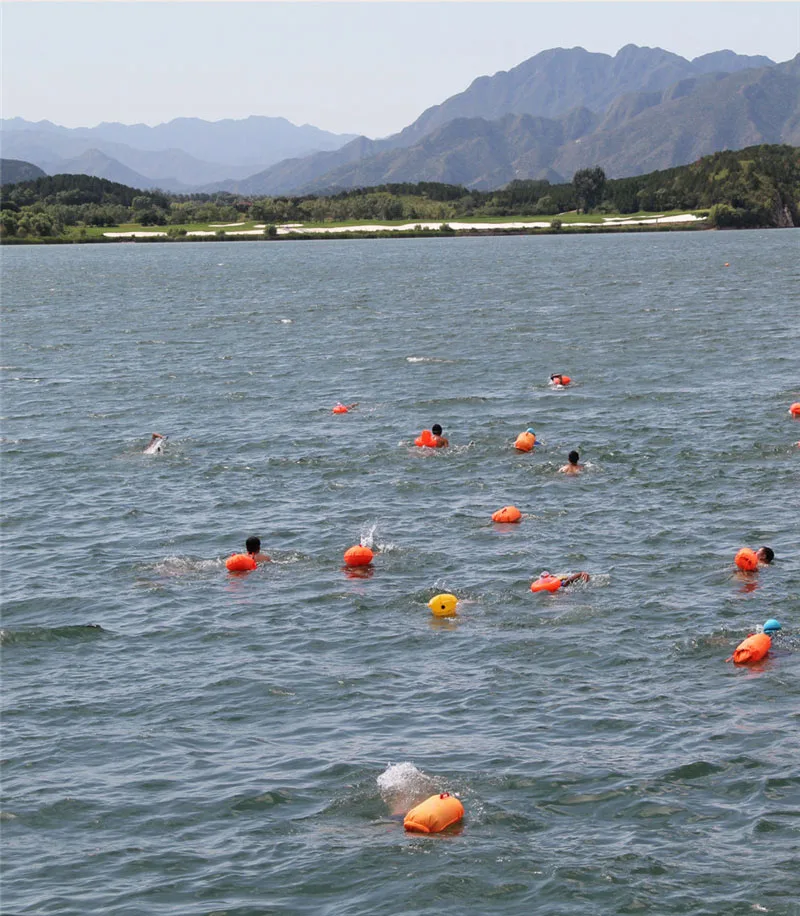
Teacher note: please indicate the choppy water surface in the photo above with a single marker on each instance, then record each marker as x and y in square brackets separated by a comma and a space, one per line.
[178, 740]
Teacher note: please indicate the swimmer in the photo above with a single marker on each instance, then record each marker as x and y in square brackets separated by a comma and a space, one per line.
[559, 380]
[765, 556]
[156, 444]
[567, 579]
[338, 407]
[253, 547]
[439, 440]
[573, 467]
[574, 577]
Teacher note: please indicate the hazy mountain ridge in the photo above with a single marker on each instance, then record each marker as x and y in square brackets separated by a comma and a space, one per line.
[181, 154]
[639, 110]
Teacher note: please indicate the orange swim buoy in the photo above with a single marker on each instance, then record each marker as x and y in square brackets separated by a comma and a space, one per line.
[358, 556]
[565, 380]
[340, 408]
[434, 814]
[546, 583]
[752, 649]
[746, 560]
[507, 514]
[794, 410]
[425, 439]
[240, 562]
[525, 441]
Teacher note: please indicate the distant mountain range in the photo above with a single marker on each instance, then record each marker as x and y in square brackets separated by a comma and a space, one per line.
[564, 109]
[177, 156]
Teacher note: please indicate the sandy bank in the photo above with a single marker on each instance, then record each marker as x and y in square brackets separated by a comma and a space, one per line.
[299, 229]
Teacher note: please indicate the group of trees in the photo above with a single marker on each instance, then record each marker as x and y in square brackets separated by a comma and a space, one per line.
[758, 186]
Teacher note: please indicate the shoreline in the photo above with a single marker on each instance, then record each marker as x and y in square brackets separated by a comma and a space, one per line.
[417, 230]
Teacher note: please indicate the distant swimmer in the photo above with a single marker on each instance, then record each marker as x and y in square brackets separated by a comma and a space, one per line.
[573, 467]
[246, 562]
[439, 440]
[749, 560]
[156, 444]
[432, 438]
[547, 582]
[344, 408]
[253, 547]
[559, 380]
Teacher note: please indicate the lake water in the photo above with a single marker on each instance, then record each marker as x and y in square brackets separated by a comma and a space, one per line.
[177, 740]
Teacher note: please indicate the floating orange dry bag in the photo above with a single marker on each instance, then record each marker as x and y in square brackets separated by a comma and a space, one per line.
[546, 583]
[525, 441]
[794, 410]
[746, 560]
[425, 438]
[752, 649]
[434, 814]
[358, 556]
[340, 408]
[507, 514]
[565, 380]
[240, 562]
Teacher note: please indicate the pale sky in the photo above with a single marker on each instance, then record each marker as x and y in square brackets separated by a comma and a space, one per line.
[349, 67]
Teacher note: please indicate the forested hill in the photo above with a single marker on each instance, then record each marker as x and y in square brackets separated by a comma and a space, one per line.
[757, 186]
[12, 171]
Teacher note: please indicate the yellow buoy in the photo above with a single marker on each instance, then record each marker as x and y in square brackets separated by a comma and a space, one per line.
[443, 605]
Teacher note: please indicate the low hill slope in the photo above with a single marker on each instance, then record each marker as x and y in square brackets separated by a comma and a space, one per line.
[13, 171]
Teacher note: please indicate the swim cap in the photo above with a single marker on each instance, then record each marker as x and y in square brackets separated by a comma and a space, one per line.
[530, 430]
[771, 625]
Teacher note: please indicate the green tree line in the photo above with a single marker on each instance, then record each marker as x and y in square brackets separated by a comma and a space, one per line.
[757, 186]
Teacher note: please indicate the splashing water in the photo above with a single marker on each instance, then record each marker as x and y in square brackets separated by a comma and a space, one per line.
[402, 786]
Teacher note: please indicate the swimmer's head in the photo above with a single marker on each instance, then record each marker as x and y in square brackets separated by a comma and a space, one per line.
[530, 430]
[253, 544]
[765, 554]
[574, 457]
[771, 626]
[436, 429]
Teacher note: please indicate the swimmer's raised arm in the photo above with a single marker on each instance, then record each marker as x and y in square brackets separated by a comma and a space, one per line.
[575, 577]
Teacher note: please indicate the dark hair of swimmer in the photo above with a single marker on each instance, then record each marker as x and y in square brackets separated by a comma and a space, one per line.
[436, 429]
[765, 554]
[574, 457]
[253, 544]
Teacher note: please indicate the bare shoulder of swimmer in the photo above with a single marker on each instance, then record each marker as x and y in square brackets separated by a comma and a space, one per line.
[262, 558]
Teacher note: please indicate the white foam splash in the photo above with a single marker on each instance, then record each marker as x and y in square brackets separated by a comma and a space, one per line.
[367, 538]
[181, 566]
[402, 786]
